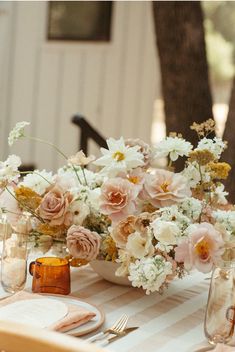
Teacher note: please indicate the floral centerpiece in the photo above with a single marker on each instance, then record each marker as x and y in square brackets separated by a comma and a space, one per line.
[156, 223]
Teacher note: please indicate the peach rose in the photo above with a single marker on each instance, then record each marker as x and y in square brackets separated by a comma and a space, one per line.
[165, 188]
[124, 228]
[117, 198]
[83, 243]
[201, 249]
[54, 207]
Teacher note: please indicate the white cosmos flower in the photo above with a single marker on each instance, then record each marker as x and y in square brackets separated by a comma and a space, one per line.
[17, 132]
[38, 181]
[172, 146]
[9, 170]
[215, 146]
[150, 273]
[119, 157]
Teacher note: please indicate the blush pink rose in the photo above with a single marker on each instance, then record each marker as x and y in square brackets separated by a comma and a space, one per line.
[201, 249]
[165, 188]
[117, 198]
[83, 243]
[54, 207]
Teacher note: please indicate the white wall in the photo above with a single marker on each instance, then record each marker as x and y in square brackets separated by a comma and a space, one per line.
[112, 84]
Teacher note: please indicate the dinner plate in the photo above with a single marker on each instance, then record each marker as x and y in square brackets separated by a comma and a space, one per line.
[88, 327]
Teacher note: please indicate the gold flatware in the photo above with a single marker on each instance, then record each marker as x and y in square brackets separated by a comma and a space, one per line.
[125, 332]
[115, 329]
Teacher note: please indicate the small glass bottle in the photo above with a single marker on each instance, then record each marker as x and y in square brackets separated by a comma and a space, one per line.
[14, 256]
[220, 312]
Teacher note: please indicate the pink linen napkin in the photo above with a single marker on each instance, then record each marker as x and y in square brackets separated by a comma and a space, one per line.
[223, 348]
[76, 315]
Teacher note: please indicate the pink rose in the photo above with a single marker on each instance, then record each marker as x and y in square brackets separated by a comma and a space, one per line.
[83, 243]
[165, 188]
[118, 198]
[201, 249]
[54, 207]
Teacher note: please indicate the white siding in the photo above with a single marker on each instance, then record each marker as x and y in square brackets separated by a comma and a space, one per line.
[114, 85]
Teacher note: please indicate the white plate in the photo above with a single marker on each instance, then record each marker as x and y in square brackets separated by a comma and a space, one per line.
[84, 329]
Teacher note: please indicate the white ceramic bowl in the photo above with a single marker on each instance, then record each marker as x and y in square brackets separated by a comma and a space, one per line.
[107, 270]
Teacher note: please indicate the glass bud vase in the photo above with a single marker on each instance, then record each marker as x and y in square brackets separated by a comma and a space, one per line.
[14, 256]
[220, 311]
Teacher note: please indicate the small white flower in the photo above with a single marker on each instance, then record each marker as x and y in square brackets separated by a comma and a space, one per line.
[220, 195]
[38, 181]
[166, 232]
[139, 245]
[150, 273]
[191, 207]
[226, 218]
[80, 159]
[172, 146]
[17, 132]
[215, 146]
[9, 170]
[119, 157]
[193, 176]
[80, 211]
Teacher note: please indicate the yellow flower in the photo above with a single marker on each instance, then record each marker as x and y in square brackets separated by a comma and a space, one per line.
[110, 249]
[54, 231]
[205, 128]
[219, 170]
[202, 157]
[27, 197]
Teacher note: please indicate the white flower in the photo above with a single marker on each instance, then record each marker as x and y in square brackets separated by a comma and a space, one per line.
[215, 146]
[124, 258]
[9, 170]
[119, 157]
[139, 245]
[172, 146]
[80, 211]
[191, 207]
[166, 232]
[38, 181]
[173, 214]
[67, 178]
[226, 218]
[220, 195]
[193, 176]
[150, 273]
[17, 132]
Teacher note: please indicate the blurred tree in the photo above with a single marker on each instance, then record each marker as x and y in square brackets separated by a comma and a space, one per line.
[184, 71]
[229, 154]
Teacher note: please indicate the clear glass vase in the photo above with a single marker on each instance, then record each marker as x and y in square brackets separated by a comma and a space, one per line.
[14, 256]
[220, 311]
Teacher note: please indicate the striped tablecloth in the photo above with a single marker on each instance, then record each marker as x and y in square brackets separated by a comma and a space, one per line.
[171, 322]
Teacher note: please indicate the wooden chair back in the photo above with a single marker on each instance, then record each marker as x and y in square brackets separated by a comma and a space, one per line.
[22, 338]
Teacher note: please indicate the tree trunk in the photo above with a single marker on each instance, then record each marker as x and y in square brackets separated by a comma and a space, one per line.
[229, 154]
[181, 47]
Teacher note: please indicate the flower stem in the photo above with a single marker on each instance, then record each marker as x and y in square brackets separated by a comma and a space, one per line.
[84, 175]
[58, 150]
[36, 173]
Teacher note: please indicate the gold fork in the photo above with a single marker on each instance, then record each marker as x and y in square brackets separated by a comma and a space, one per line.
[115, 329]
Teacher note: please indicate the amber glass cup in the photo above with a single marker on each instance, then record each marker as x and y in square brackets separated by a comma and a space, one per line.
[50, 275]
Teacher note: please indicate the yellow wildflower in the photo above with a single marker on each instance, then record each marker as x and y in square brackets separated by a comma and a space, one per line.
[203, 129]
[219, 170]
[110, 248]
[54, 231]
[202, 157]
[27, 197]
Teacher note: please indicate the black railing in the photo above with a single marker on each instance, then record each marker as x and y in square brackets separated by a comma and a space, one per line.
[87, 132]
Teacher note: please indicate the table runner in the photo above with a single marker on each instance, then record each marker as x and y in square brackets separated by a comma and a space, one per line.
[169, 322]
